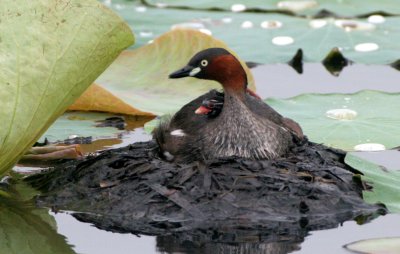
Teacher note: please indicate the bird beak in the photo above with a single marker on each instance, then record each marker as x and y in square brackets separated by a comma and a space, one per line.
[187, 71]
[202, 110]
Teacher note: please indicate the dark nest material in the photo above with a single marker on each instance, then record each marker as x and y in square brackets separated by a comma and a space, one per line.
[229, 200]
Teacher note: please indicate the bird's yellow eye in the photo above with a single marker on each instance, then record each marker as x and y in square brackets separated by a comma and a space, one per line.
[204, 63]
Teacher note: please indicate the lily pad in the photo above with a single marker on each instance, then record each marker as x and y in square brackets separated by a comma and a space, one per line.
[309, 7]
[96, 98]
[258, 37]
[353, 7]
[140, 77]
[363, 117]
[385, 181]
[376, 246]
[79, 124]
[51, 51]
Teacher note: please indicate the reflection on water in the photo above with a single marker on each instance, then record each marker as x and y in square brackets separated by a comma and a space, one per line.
[28, 230]
[280, 240]
[278, 235]
[90, 240]
[170, 244]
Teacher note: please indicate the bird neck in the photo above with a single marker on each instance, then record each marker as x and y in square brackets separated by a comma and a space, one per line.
[235, 87]
[230, 74]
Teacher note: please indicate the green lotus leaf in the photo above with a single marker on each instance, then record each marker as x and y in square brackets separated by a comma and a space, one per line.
[363, 117]
[385, 181]
[50, 52]
[309, 7]
[140, 77]
[79, 124]
[244, 32]
[390, 245]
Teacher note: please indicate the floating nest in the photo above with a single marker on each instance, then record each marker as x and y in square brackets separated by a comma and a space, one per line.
[132, 189]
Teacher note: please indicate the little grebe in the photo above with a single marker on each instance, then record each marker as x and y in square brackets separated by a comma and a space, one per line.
[233, 123]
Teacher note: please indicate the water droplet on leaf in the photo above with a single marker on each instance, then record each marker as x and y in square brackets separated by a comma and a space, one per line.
[297, 5]
[205, 31]
[119, 7]
[247, 24]
[366, 47]
[318, 23]
[238, 7]
[192, 25]
[282, 40]
[227, 20]
[369, 147]
[161, 5]
[141, 9]
[271, 24]
[145, 34]
[376, 19]
[350, 25]
[341, 114]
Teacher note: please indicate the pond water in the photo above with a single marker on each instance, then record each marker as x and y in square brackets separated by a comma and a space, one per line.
[282, 81]
[89, 240]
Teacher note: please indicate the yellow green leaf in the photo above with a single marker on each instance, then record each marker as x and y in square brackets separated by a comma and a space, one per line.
[50, 52]
[96, 98]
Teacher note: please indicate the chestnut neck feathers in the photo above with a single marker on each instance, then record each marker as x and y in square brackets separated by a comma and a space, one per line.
[228, 71]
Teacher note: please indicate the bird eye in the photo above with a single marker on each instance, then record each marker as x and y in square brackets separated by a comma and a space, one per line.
[204, 63]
